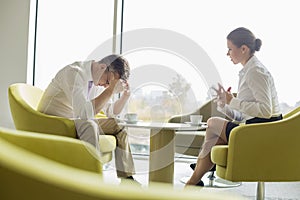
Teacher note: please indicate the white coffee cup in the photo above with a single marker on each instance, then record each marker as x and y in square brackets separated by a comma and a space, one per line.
[196, 119]
[131, 117]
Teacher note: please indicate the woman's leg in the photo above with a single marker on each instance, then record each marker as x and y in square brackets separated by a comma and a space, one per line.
[215, 135]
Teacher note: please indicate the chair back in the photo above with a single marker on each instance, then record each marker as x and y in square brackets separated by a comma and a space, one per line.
[24, 100]
[292, 112]
[274, 157]
[207, 110]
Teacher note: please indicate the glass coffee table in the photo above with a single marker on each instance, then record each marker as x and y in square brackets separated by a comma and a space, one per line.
[162, 149]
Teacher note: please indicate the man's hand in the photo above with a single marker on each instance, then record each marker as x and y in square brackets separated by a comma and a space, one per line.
[126, 88]
[113, 79]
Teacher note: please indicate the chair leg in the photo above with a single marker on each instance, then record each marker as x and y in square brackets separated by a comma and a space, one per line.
[106, 166]
[211, 179]
[260, 194]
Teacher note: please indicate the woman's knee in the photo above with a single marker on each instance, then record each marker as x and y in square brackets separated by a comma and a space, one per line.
[213, 121]
[215, 125]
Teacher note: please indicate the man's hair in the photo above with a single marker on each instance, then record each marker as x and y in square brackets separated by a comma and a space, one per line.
[117, 63]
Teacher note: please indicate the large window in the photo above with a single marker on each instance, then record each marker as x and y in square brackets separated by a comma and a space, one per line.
[207, 23]
[69, 31]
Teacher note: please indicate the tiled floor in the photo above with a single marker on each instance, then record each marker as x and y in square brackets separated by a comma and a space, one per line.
[273, 191]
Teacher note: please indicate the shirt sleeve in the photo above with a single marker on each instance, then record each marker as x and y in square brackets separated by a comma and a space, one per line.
[258, 82]
[108, 107]
[231, 113]
[77, 91]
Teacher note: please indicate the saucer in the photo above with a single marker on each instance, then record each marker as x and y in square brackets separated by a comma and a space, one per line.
[131, 122]
[200, 124]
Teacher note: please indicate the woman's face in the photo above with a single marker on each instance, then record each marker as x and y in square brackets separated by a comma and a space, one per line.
[235, 53]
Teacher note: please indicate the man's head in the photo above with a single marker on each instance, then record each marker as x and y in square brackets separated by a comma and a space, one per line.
[118, 64]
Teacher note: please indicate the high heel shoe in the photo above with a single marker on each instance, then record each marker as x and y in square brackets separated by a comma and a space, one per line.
[200, 183]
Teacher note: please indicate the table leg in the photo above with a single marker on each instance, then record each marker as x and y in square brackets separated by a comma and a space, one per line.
[162, 151]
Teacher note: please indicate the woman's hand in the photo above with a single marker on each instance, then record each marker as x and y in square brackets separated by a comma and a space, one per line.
[223, 96]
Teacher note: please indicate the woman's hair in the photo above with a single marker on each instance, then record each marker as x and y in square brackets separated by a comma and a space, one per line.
[117, 63]
[243, 36]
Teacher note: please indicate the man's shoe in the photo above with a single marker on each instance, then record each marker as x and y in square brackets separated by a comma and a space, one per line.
[131, 179]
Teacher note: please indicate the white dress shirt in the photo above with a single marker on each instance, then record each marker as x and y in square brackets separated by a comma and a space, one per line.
[68, 94]
[256, 96]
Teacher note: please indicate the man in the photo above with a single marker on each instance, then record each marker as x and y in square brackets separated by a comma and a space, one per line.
[83, 89]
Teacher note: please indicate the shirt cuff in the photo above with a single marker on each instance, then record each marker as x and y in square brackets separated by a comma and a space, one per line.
[234, 104]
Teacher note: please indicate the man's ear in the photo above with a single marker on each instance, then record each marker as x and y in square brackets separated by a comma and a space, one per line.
[117, 75]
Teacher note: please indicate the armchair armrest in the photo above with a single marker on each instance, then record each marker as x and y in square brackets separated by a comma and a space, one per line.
[47, 124]
[69, 151]
[219, 155]
[107, 143]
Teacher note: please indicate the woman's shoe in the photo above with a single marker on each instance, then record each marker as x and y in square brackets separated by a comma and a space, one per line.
[193, 165]
[200, 183]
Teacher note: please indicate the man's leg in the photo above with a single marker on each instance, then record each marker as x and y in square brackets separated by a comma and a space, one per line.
[88, 130]
[124, 160]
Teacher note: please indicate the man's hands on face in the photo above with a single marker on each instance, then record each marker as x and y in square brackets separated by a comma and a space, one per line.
[113, 79]
[118, 85]
[126, 88]
[122, 86]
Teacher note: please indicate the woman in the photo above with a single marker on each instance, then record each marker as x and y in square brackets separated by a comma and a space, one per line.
[256, 100]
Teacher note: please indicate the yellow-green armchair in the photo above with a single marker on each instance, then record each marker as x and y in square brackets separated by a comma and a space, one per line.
[24, 99]
[31, 172]
[265, 152]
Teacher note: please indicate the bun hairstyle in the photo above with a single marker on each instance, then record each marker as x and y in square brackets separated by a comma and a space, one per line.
[243, 36]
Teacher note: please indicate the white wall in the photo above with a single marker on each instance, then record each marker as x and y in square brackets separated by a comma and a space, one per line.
[14, 26]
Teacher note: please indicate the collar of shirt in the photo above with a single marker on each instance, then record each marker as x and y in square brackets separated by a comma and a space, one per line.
[87, 65]
[248, 65]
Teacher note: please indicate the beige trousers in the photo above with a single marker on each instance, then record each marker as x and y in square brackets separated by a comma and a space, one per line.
[89, 130]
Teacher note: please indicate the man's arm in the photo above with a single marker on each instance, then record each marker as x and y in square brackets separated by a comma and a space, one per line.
[100, 101]
[120, 103]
